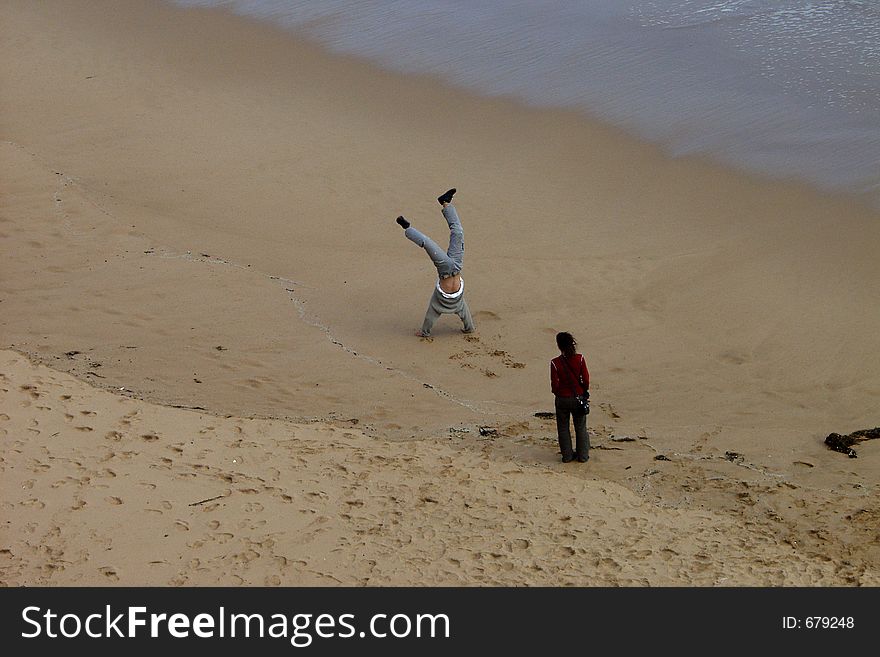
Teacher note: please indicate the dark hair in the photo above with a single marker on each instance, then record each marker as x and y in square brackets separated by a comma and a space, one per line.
[567, 344]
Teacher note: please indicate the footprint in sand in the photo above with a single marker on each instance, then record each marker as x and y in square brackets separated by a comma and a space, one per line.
[610, 564]
[506, 359]
[608, 408]
[32, 390]
[734, 357]
[705, 437]
[520, 544]
[485, 350]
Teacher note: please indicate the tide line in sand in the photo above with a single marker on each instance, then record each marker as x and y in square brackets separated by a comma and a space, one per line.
[483, 407]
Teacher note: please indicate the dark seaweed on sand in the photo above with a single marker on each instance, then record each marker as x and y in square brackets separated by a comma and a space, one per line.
[844, 444]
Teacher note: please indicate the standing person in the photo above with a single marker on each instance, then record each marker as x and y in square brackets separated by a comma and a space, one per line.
[448, 295]
[570, 379]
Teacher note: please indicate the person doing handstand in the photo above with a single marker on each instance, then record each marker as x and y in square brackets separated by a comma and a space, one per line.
[448, 295]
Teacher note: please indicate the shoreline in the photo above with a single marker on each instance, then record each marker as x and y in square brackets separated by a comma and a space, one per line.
[450, 76]
[192, 218]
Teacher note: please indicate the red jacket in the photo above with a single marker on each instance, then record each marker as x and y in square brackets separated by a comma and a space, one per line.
[569, 377]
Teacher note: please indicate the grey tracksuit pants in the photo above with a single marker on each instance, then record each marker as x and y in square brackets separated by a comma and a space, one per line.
[448, 263]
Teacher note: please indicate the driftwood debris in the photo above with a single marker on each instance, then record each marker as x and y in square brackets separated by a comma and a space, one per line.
[843, 444]
[210, 499]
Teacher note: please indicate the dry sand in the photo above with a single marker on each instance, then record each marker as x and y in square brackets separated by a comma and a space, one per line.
[198, 211]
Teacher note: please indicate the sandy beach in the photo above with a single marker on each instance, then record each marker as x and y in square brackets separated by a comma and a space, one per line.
[208, 374]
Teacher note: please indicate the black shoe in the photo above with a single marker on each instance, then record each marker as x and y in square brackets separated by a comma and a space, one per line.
[403, 222]
[567, 459]
[583, 459]
[446, 197]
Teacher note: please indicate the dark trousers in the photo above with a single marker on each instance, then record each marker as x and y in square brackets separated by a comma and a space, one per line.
[567, 409]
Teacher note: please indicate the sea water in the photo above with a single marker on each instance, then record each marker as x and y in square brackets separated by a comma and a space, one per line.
[783, 88]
